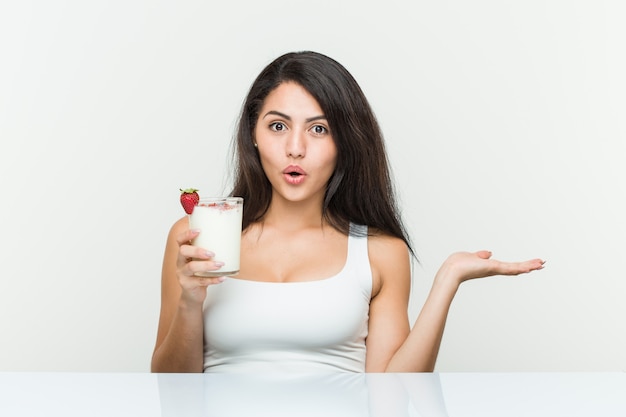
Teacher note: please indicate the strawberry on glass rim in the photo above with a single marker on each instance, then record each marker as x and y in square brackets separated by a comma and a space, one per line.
[189, 199]
[294, 174]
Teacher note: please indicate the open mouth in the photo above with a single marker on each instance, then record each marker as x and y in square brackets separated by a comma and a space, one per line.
[294, 171]
[294, 174]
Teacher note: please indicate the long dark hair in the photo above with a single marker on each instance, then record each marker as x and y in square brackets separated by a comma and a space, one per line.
[360, 190]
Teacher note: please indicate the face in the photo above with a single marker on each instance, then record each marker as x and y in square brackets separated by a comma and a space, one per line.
[295, 144]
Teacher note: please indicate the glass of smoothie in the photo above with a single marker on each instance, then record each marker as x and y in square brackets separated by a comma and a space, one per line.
[219, 221]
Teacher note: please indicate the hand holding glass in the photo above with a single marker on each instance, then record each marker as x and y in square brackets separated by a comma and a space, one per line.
[219, 221]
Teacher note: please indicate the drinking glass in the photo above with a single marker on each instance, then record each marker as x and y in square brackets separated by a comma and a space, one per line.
[219, 221]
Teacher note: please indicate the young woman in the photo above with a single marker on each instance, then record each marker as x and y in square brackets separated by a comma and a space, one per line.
[325, 259]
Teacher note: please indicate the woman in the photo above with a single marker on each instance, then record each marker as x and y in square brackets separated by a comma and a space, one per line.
[325, 259]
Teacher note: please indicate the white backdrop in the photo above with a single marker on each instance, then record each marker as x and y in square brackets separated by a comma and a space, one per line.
[505, 128]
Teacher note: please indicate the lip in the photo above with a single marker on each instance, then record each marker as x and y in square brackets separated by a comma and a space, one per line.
[294, 174]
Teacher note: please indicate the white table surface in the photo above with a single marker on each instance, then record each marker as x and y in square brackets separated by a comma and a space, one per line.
[385, 395]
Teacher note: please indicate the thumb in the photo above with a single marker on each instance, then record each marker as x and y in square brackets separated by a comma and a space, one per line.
[484, 254]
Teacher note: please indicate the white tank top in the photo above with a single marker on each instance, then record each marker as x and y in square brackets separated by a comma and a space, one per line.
[312, 326]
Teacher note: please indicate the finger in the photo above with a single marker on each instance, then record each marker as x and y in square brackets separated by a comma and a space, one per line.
[517, 268]
[187, 236]
[206, 281]
[187, 254]
[536, 264]
[531, 265]
[190, 251]
[195, 266]
[193, 284]
[484, 254]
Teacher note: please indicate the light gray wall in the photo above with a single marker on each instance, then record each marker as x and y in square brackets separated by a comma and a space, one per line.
[505, 128]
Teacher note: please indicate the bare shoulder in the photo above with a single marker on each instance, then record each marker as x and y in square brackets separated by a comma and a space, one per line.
[390, 261]
[384, 249]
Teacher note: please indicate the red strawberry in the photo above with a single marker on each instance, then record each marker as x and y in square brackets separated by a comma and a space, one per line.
[189, 198]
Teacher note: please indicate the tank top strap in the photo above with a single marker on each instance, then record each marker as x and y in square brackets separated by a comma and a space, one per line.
[358, 258]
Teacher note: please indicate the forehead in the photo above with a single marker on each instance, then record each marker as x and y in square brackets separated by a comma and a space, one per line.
[291, 96]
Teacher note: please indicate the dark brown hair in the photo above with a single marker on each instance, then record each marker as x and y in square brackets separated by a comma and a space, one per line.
[360, 190]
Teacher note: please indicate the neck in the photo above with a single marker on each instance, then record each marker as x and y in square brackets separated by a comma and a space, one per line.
[294, 215]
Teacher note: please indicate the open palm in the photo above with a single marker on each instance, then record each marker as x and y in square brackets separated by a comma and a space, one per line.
[471, 265]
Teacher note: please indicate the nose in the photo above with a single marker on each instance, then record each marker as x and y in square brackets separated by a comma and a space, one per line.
[296, 144]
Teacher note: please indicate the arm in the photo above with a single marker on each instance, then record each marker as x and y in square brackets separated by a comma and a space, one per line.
[179, 344]
[391, 345]
[419, 352]
[388, 315]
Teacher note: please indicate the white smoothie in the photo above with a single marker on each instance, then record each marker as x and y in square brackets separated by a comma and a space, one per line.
[219, 222]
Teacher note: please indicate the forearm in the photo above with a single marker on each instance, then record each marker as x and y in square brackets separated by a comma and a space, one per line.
[419, 352]
[182, 347]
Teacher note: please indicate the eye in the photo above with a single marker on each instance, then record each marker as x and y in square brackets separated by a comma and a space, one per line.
[319, 130]
[277, 126]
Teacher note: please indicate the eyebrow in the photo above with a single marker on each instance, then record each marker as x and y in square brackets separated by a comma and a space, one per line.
[284, 116]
